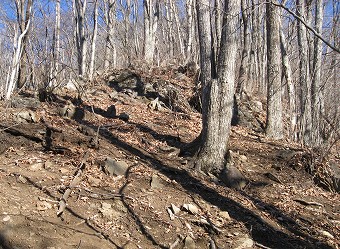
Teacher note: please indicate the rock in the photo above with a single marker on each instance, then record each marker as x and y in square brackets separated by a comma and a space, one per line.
[48, 165]
[63, 170]
[113, 94]
[24, 102]
[108, 212]
[233, 178]
[87, 131]
[26, 116]
[175, 209]
[36, 166]
[327, 234]
[114, 168]
[189, 243]
[155, 105]
[71, 85]
[190, 208]
[156, 182]
[124, 116]
[244, 242]
[94, 182]
[111, 112]
[119, 206]
[22, 179]
[171, 214]
[243, 158]
[225, 215]
[6, 218]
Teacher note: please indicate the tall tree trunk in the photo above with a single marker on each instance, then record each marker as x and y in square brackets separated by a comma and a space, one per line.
[243, 72]
[24, 23]
[151, 16]
[190, 28]
[317, 96]
[56, 45]
[24, 16]
[217, 96]
[287, 72]
[94, 39]
[81, 40]
[110, 47]
[305, 121]
[274, 123]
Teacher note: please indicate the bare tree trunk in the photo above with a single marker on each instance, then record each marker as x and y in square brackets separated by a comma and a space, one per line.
[94, 38]
[274, 124]
[243, 72]
[217, 96]
[24, 14]
[81, 40]
[177, 22]
[56, 45]
[190, 28]
[110, 47]
[305, 121]
[151, 16]
[287, 72]
[24, 23]
[169, 31]
[317, 96]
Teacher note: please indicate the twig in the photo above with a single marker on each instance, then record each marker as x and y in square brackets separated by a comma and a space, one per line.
[75, 181]
[262, 246]
[306, 203]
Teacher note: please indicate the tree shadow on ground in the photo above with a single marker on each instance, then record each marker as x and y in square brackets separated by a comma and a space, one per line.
[262, 232]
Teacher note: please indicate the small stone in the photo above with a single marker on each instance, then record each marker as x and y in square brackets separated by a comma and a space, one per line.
[225, 215]
[156, 182]
[244, 242]
[6, 218]
[175, 209]
[22, 179]
[189, 243]
[190, 208]
[93, 181]
[115, 168]
[36, 166]
[243, 158]
[233, 178]
[63, 170]
[48, 165]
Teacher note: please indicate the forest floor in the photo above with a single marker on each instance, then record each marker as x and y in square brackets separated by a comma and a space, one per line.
[159, 201]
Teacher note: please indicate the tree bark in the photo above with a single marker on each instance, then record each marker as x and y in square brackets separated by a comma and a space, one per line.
[94, 39]
[317, 96]
[217, 96]
[81, 40]
[243, 72]
[151, 16]
[305, 121]
[274, 122]
[287, 72]
[110, 47]
[24, 13]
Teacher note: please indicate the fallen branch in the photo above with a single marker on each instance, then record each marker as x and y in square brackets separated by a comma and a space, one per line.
[75, 181]
[307, 203]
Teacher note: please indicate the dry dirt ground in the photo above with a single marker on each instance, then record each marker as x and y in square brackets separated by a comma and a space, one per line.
[281, 207]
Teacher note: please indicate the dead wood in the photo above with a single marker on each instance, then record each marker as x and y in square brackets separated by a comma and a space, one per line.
[73, 184]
